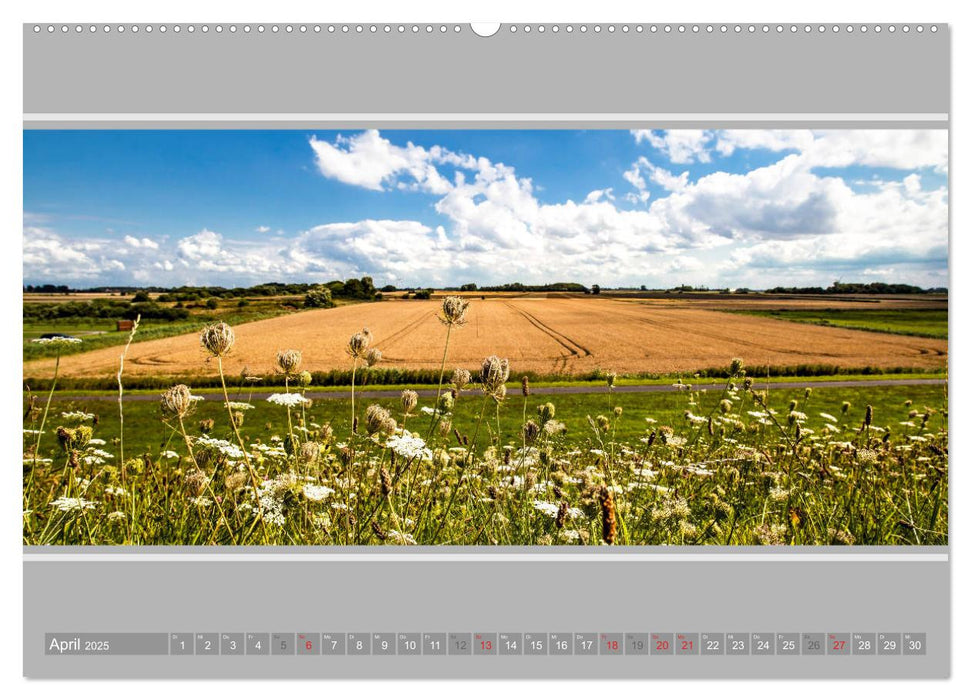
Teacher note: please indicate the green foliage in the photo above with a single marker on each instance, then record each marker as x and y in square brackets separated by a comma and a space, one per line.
[320, 297]
[686, 467]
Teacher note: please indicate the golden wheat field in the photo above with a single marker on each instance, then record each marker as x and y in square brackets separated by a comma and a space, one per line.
[537, 334]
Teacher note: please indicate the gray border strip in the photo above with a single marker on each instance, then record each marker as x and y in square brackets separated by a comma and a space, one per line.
[745, 72]
[543, 119]
[503, 553]
[482, 557]
[386, 122]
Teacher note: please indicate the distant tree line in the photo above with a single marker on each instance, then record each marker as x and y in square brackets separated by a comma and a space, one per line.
[859, 288]
[103, 308]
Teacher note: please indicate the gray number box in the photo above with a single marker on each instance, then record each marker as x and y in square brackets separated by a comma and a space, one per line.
[561, 644]
[181, 644]
[459, 643]
[915, 644]
[888, 643]
[308, 643]
[738, 644]
[383, 644]
[662, 643]
[686, 644]
[207, 644]
[333, 643]
[813, 643]
[510, 643]
[536, 643]
[585, 643]
[838, 644]
[281, 644]
[433, 644]
[763, 644]
[409, 644]
[611, 644]
[485, 644]
[637, 644]
[787, 644]
[864, 643]
[712, 644]
[359, 643]
[257, 644]
[231, 644]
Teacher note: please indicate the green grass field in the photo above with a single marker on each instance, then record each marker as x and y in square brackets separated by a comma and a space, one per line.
[146, 434]
[925, 323]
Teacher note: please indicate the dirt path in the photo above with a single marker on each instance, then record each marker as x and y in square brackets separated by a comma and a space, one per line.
[553, 390]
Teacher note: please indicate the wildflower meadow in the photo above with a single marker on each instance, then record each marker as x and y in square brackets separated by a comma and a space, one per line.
[482, 460]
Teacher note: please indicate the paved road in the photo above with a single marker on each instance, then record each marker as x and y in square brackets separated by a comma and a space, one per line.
[552, 390]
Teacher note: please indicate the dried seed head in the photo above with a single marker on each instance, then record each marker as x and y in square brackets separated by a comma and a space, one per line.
[206, 425]
[409, 400]
[868, 416]
[453, 311]
[608, 515]
[385, 482]
[461, 378]
[611, 379]
[289, 361]
[177, 401]
[309, 452]
[237, 480]
[525, 384]
[736, 367]
[494, 373]
[499, 394]
[561, 513]
[195, 482]
[845, 407]
[546, 411]
[530, 432]
[372, 357]
[217, 339]
[358, 344]
[305, 378]
[445, 403]
[378, 419]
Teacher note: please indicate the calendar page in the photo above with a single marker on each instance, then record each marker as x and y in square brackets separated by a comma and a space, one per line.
[521, 350]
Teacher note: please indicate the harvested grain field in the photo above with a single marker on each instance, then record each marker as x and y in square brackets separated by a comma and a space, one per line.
[568, 335]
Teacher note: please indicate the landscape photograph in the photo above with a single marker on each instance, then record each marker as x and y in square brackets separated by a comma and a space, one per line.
[573, 338]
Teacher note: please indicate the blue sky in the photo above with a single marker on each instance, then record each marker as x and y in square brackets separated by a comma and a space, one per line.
[749, 208]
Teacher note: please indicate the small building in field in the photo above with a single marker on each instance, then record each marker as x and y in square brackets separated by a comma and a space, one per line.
[124, 325]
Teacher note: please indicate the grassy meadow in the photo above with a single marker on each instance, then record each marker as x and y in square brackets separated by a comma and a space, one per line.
[486, 461]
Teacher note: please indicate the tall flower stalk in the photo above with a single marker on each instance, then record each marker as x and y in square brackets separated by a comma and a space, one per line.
[453, 315]
[357, 348]
[59, 343]
[121, 395]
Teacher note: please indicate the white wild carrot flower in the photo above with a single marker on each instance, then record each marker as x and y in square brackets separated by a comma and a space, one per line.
[408, 445]
[289, 400]
[57, 341]
[79, 416]
[67, 504]
[316, 493]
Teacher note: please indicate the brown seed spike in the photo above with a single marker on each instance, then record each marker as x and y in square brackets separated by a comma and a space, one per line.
[608, 515]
